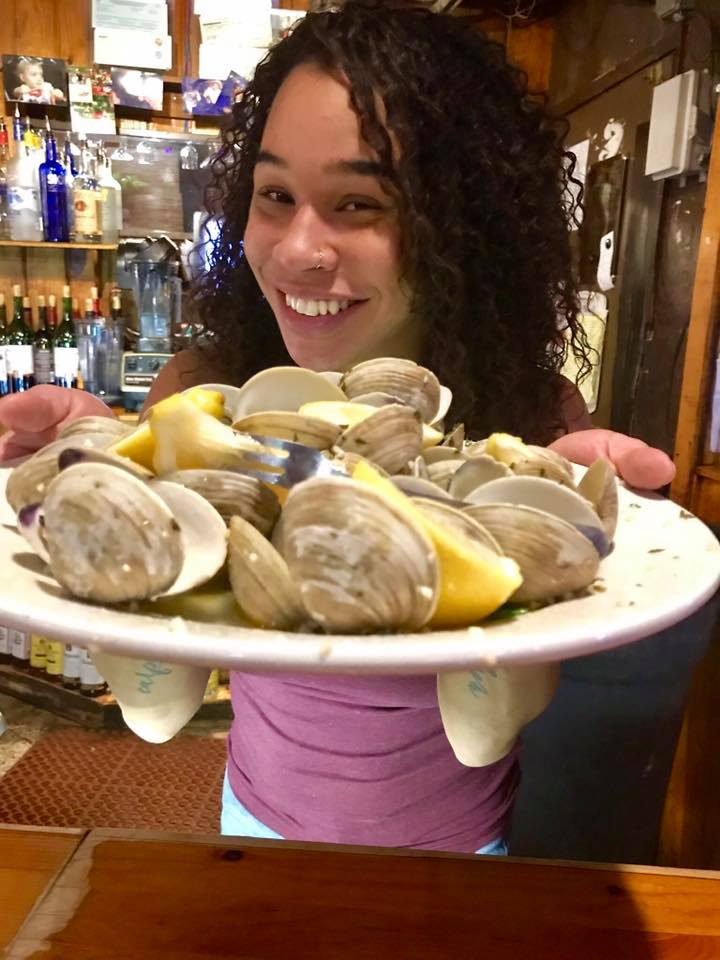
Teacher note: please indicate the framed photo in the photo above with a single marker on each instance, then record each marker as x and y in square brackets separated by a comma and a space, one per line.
[138, 89]
[203, 97]
[91, 102]
[34, 79]
[282, 21]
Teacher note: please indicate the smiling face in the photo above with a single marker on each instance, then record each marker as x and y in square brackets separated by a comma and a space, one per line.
[323, 233]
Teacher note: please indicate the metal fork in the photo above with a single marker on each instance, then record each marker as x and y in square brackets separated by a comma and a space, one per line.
[284, 463]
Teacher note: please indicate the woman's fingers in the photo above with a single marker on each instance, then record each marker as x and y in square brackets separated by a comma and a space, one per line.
[640, 466]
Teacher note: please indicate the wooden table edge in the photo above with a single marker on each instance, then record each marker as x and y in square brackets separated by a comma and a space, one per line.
[102, 834]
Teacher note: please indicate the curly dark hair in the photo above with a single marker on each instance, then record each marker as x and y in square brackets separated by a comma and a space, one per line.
[482, 179]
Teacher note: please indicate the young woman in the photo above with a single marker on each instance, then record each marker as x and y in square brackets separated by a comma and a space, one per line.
[386, 188]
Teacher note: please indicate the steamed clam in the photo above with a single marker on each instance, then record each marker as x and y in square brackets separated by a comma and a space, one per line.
[423, 531]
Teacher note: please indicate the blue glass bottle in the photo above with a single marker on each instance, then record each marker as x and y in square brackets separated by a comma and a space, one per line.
[53, 194]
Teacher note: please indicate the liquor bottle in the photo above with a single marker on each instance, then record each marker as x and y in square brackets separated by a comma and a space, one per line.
[24, 197]
[65, 350]
[3, 344]
[111, 200]
[19, 648]
[91, 682]
[95, 300]
[4, 161]
[70, 174]
[17, 125]
[20, 339]
[38, 654]
[43, 346]
[71, 667]
[54, 659]
[53, 194]
[86, 197]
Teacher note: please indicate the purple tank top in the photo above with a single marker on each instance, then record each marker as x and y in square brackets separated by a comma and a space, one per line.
[360, 760]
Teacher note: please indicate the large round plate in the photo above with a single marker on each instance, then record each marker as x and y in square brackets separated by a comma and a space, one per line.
[665, 565]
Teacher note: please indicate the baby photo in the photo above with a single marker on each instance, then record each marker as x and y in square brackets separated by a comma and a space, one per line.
[34, 79]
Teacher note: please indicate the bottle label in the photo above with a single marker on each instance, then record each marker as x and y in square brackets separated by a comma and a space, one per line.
[71, 662]
[19, 644]
[4, 641]
[86, 211]
[54, 657]
[22, 198]
[38, 652]
[89, 676]
[65, 362]
[3, 371]
[42, 361]
[19, 359]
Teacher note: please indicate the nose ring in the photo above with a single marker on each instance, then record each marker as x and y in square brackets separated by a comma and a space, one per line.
[318, 265]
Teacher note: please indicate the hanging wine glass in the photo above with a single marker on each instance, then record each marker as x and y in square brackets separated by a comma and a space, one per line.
[146, 152]
[121, 152]
[189, 157]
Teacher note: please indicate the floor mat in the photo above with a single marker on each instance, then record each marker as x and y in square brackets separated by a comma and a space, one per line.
[87, 778]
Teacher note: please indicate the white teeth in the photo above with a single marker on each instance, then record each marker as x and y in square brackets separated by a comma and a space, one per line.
[315, 308]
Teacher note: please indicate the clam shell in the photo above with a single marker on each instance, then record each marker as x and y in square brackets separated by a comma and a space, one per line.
[438, 454]
[286, 425]
[419, 487]
[31, 525]
[202, 531]
[460, 521]
[390, 437]
[29, 481]
[84, 425]
[232, 494]
[444, 405]
[260, 579]
[71, 456]
[473, 474]
[412, 384]
[442, 473]
[110, 538]
[545, 463]
[554, 558]
[376, 399]
[549, 497]
[456, 437]
[283, 388]
[231, 396]
[360, 563]
[599, 487]
[417, 468]
[475, 448]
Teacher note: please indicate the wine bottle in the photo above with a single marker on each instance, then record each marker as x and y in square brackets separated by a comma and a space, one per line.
[43, 346]
[20, 340]
[65, 349]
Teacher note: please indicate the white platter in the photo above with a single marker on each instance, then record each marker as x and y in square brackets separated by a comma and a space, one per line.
[665, 565]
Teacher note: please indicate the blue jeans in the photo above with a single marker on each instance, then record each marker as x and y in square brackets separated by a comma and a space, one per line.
[236, 821]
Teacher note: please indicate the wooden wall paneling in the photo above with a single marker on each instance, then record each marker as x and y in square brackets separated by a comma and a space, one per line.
[701, 339]
[690, 833]
[531, 48]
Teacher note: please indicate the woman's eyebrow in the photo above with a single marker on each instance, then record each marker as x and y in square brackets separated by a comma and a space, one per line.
[363, 168]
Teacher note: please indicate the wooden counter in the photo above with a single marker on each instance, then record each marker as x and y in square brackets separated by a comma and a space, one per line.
[140, 895]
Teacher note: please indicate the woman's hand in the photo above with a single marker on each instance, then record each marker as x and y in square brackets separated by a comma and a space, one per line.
[639, 465]
[37, 416]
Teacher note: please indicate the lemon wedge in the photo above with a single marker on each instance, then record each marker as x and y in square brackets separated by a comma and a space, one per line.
[506, 449]
[185, 437]
[474, 581]
[139, 446]
[349, 414]
[204, 605]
